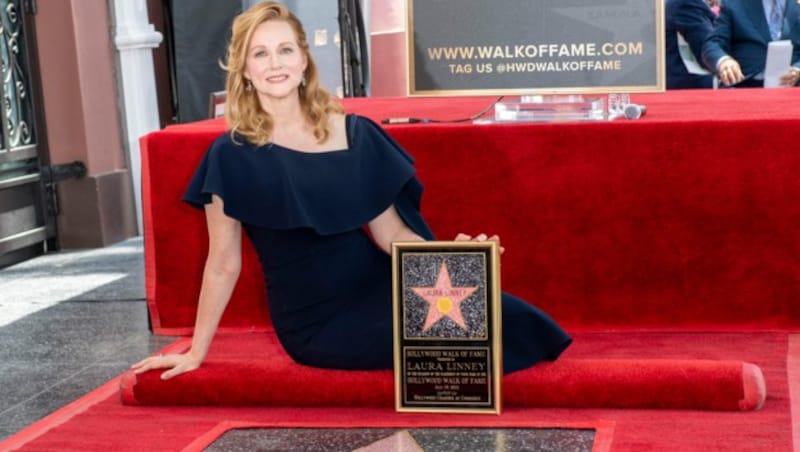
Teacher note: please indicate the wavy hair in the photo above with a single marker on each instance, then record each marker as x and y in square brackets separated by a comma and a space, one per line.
[243, 111]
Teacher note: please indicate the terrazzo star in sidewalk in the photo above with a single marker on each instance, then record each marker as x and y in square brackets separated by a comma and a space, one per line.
[444, 300]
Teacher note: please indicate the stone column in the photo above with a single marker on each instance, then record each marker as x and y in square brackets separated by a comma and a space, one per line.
[134, 39]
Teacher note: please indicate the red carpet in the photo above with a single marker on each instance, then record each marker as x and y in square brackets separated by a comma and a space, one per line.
[252, 369]
[793, 374]
[102, 422]
[686, 219]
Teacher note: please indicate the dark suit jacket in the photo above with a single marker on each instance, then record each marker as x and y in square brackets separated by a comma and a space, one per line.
[742, 32]
[694, 20]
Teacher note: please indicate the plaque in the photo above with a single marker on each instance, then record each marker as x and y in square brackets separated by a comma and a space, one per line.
[447, 328]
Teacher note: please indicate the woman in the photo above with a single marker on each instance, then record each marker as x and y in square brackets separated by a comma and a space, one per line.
[303, 179]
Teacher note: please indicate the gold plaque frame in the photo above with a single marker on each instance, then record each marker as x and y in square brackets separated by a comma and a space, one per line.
[447, 327]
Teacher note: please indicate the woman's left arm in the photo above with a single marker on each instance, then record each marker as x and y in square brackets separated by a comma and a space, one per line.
[388, 227]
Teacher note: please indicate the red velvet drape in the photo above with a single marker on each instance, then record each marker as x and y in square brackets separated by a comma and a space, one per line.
[684, 219]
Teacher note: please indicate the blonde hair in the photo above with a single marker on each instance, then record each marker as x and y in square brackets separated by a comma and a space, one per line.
[243, 111]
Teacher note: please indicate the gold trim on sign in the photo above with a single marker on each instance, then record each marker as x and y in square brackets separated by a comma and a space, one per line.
[410, 61]
[659, 86]
[491, 342]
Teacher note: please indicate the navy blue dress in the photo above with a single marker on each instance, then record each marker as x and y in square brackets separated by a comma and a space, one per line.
[329, 286]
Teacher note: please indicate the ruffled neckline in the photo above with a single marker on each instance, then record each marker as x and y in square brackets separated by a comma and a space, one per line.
[330, 192]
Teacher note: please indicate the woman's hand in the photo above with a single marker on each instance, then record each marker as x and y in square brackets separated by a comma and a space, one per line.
[177, 364]
[461, 237]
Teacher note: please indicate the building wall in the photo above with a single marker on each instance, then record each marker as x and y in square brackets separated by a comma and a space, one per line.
[80, 103]
[388, 62]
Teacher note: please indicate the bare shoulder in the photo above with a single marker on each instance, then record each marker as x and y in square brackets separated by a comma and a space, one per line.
[338, 128]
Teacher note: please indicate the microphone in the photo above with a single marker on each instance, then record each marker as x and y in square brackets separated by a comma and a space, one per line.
[402, 120]
[634, 111]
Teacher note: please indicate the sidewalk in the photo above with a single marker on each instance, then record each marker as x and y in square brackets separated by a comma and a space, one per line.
[69, 322]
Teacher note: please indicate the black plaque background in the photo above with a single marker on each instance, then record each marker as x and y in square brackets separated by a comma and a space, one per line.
[467, 389]
[447, 395]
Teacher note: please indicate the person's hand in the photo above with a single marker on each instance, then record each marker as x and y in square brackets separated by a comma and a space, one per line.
[461, 237]
[177, 364]
[729, 72]
[791, 77]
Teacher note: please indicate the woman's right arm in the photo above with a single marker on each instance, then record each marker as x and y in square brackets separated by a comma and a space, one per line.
[221, 271]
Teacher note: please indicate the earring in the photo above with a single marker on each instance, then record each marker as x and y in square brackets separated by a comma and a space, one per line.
[303, 81]
[248, 86]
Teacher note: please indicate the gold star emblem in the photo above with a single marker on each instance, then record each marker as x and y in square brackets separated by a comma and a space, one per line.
[444, 300]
